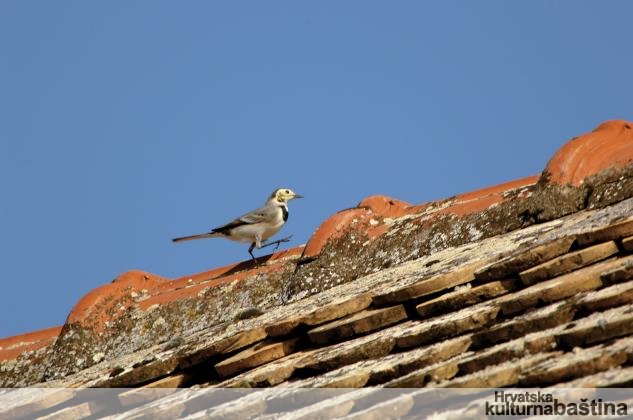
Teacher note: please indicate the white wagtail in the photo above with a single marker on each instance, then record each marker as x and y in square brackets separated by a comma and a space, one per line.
[256, 226]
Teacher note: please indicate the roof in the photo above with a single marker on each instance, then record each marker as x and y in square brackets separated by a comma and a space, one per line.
[525, 283]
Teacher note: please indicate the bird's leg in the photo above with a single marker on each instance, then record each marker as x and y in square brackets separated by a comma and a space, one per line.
[278, 242]
[250, 251]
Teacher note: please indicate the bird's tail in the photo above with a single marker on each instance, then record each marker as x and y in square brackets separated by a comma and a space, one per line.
[192, 237]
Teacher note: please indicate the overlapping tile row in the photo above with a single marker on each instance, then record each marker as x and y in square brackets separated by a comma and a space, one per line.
[487, 327]
[12, 347]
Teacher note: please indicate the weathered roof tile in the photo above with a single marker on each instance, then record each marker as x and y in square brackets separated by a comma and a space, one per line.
[393, 408]
[621, 229]
[499, 376]
[538, 342]
[256, 355]
[29, 401]
[612, 378]
[598, 327]
[384, 369]
[609, 297]
[359, 323]
[539, 319]
[320, 314]
[466, 296]
[437, 372]
[525, 259]
[12, 347]
[627, 243]
[584, 279]
[223, 346]
[416, 333]
[568, 262]
[611, 144]
[427, 286]
[578, 363]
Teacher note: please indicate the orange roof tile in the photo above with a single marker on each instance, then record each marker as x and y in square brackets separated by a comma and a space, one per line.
[12, 347]
[609, 145]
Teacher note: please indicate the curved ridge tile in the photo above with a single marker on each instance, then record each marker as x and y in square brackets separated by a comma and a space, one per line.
[484, 198]
[385, 206]
[189, 287]
[610, 144]
[102, 304]
[139, 310]
[332, 228]
[95, 308]
[233, 268]
[368, 217]
[12, 347]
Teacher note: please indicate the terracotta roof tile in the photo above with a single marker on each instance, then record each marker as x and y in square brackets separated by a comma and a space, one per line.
[333, 228]
[611, 144]
[384, 206]
[12, 347]
[103, 303]
[480, 200]
[522, 284]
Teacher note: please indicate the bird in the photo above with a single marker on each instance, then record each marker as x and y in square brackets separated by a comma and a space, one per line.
[255, 226]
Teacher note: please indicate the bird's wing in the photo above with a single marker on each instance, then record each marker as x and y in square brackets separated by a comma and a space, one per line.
[262, 214]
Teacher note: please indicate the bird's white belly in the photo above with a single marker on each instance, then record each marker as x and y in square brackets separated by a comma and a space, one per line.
[249, 233]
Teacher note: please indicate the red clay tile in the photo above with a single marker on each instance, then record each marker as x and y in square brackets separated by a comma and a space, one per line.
[12, 347]
[95, 307]
[333, 227]
[480, 200]
[611, 144]
[103, 303]
[463, 208]
[379, 205]
[499, 189]
[385, 206]
[228, 269]
[183, 288]
[99, 305]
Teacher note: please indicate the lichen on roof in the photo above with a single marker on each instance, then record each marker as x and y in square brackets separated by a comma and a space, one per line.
[528, 283]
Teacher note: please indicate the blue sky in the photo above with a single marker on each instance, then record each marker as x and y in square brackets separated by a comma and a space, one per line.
[124, 124]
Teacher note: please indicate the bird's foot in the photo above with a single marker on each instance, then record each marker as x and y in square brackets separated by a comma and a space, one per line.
[278, 242]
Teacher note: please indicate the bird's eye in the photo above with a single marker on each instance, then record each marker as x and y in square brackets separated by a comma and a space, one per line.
[287, 191]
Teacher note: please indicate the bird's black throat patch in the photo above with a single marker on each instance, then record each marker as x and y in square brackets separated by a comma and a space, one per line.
[285, 213]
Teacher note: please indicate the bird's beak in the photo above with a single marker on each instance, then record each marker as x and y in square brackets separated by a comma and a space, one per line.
[297, 196]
